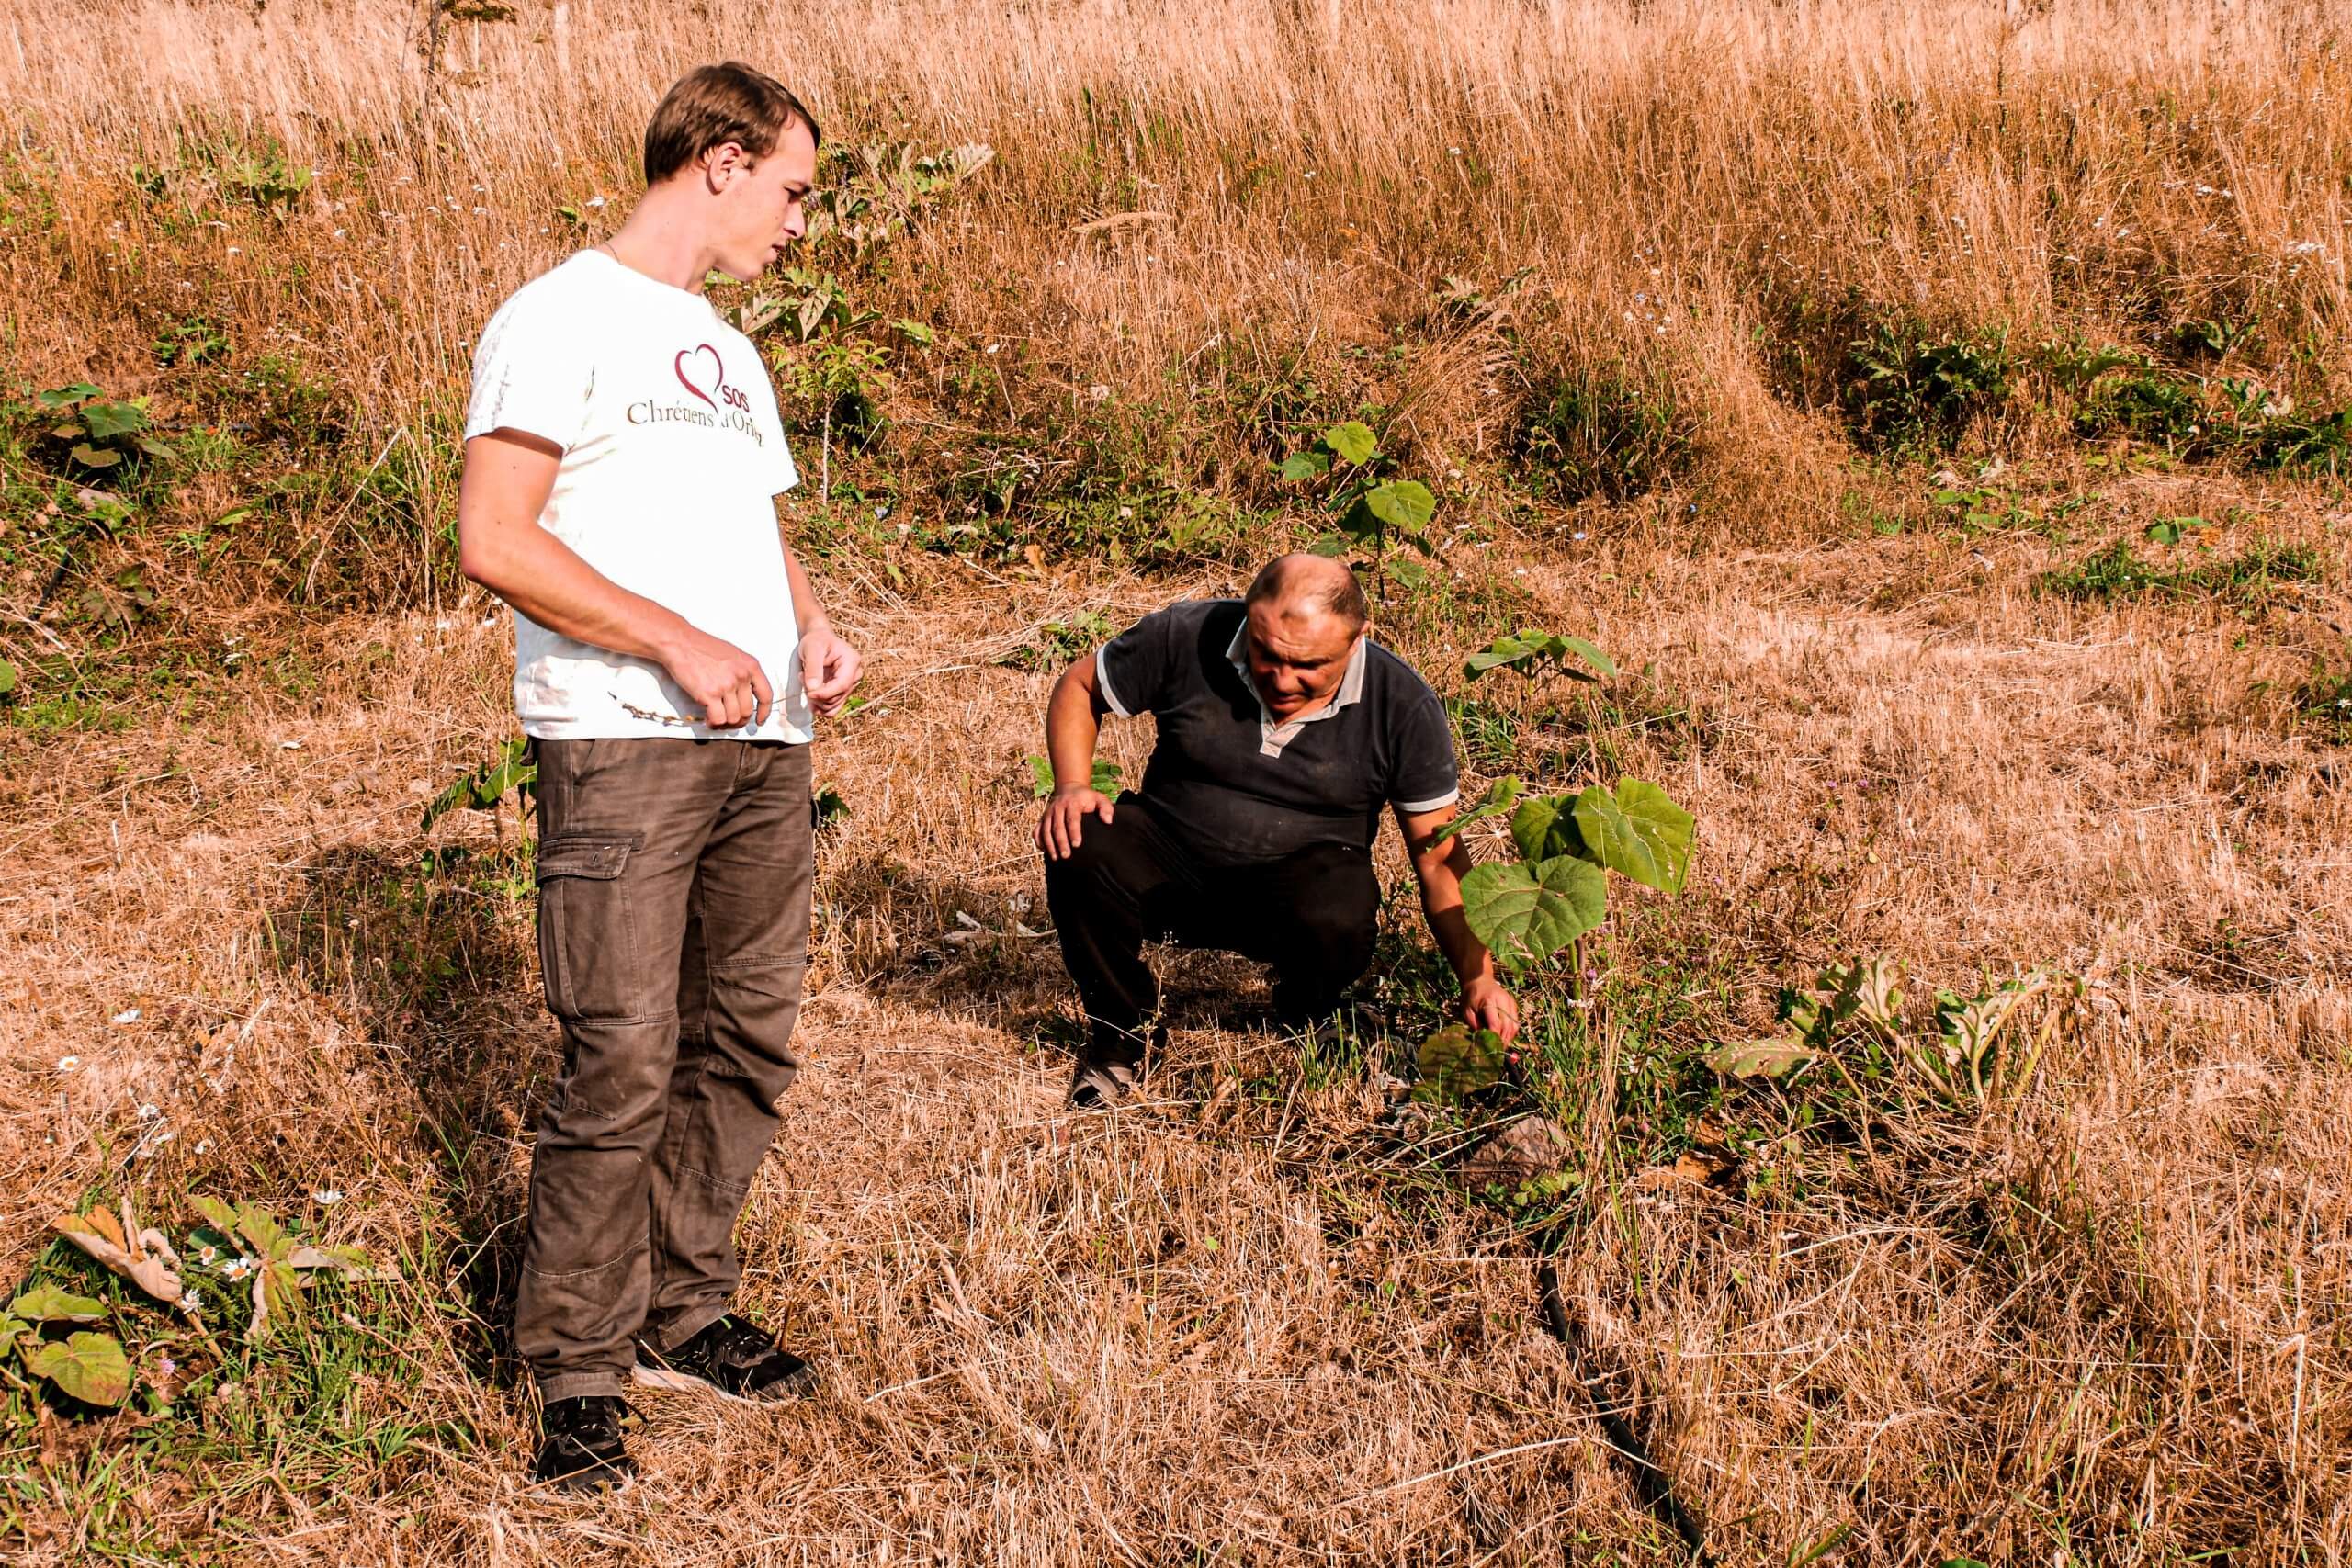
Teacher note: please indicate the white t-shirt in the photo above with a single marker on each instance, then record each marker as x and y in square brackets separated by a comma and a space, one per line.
[673, 454]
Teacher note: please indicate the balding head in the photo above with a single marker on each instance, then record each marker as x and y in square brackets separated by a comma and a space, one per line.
[1301, 587]
[1304, 616]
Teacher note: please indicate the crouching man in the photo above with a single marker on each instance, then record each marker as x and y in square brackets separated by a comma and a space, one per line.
[623, 452]
[1284, 732]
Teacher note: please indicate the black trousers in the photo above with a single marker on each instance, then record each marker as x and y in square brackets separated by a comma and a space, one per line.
[1311, 916]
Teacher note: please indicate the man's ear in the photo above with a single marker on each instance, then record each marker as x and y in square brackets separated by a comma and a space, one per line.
[723, 165]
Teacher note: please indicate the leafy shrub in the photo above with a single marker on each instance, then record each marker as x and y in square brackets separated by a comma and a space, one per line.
[2293, 443]
[1374, 512]
[192, 341]
[2147, 405]
[511, 769]
[1532, 655]
[1597, 434]
[871, 195]
[1104, 782]
[1969, 1050]
[1528, 909]
[1059, 642]
[2247, 581]
[2221, 418]
[95, 432]
[2325, 704]
[266, 180]
[1904, 389]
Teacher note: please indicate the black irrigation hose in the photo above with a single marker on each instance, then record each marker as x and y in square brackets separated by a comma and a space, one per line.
[1652, 1484]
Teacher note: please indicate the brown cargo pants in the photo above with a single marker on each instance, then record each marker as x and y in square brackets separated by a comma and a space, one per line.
[673, 934]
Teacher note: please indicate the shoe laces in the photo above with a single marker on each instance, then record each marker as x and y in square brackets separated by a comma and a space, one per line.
[600, 1418]
[743, 1344]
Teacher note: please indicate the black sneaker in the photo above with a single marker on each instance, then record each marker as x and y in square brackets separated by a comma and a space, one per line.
[1098, 1083]
[580, 1443]
[733, 1358]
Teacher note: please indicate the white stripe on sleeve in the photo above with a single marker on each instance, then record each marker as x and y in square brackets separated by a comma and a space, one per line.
[1102, 685]
[1415, 808]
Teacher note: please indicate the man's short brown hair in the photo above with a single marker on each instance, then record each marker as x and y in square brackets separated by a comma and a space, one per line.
[713, 105]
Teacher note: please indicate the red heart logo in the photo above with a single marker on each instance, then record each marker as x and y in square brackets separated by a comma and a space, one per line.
[718, 372]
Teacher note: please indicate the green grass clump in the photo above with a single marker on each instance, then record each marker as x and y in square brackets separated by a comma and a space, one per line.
[2246, 582]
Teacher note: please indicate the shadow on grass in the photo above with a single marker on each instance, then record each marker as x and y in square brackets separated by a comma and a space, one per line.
[435, 953]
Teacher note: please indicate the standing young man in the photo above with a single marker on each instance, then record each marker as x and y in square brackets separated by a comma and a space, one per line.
[623, 451]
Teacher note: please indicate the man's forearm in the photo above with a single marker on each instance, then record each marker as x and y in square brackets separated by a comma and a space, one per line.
[1464, 952]
[547, 579]
[1440, 876]
[807, 615]
[1071, 732]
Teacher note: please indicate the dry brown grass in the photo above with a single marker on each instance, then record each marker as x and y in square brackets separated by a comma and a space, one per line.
[2106, 1324]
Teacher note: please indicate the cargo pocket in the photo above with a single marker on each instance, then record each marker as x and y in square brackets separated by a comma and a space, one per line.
[587, 936]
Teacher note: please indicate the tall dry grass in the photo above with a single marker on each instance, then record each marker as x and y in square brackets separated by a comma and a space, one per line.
[2103, 1324]
[1709, 197]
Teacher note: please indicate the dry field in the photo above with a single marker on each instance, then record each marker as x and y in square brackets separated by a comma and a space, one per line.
[1760, 343]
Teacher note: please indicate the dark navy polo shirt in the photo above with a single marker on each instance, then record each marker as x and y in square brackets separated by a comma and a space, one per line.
[1237, 787]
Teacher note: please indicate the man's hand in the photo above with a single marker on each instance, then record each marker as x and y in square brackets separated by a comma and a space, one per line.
[1485, 1005]
[828, 667]
[719, 678]
[1063, 826]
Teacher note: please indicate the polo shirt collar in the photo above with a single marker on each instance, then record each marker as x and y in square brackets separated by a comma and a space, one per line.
[1272, 737]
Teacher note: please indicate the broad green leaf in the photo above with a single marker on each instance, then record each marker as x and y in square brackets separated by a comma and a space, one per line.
[1761, 1059]
[1638, 832]
[281, 1284]
[1544, 828]
[47, 1304]
[1405, 505]
[65, 396]
[8, 677]
[1526, 913]
[1809, 1013]
[1529, 651]
[1590, 655]
[1351, 442]
[91, 457]
[251, 1224]
[1105, 781]
[106, 420]
[1331, 546]
[1494, 655]
[1306, 465]
[90, 1367]
[1501, 797]
[1870, 990]
[457, 796]
[350, 1262]
[11, 1330]
[1456, 1061]
[1412, 574]
[915, 332]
